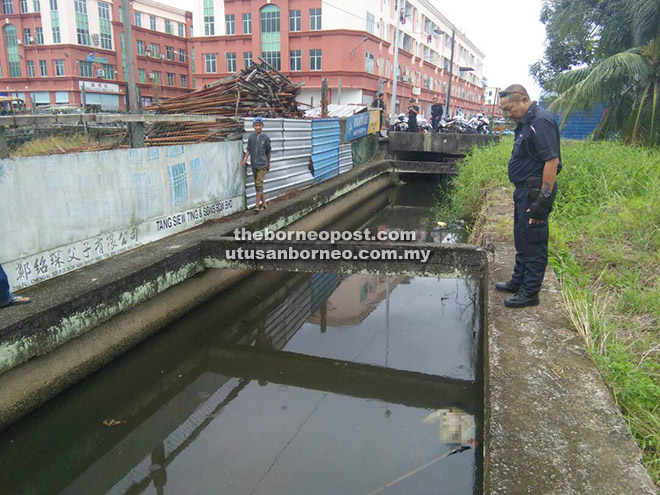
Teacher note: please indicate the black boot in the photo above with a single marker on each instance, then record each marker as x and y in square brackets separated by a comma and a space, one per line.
[507, 287]
[522, 299]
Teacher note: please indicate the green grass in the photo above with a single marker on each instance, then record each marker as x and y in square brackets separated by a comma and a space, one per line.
[605, 249]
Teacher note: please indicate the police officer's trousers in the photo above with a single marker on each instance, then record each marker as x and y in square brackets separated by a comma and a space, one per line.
[531, 242]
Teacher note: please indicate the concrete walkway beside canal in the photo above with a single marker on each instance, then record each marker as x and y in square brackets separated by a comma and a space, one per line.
[552, 426]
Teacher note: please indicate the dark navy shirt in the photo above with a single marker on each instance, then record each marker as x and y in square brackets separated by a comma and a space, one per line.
[259, 146]
[537, 141]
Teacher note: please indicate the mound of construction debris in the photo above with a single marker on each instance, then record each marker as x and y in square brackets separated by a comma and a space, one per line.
[258, 90]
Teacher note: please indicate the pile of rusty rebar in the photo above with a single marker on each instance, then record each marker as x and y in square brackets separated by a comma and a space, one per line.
[258, 90]
[170, 133]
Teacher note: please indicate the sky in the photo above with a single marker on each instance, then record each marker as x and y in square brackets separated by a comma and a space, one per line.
[508, 32]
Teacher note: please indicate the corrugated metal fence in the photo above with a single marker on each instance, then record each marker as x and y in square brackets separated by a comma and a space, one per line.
[325, 149]
[294, 143]
[581, 124]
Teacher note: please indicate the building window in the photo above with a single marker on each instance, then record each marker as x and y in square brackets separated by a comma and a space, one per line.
[294, 20]
[182, 30]
[184, 81]
[142, 75]
[27, 36]
[139, 47]
[30, 68]
[231, 62]
[36, 4]
[369, 62]
[24, 10]
[315, 59]
[209, 18]
[59, 67]
[152, 22]
[11, 46]
[155, 75]
[168, 30]
[109, 72]
[82, 23]
[137, 19]
[211, 62]
[8, 8]
[247, 59]
[295, 60]
[247, 23]
[270, 35]
[230, 24]
[43, 68]
[314, 19]
[85, 68]
[182, 55]
[105, 26]
[170, 79]
[155, 50]
[169, 54]
[371, 23]
[55, 22]
[40, 35]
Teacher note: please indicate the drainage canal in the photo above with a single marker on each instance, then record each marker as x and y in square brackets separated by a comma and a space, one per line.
[289, 383]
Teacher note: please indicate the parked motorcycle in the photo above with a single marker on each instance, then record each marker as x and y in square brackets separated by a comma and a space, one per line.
[424, 125]
[457, 125]
[401, 123]
[479, 124]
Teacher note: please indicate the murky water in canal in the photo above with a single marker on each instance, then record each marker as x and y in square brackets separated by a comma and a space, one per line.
[324, 383]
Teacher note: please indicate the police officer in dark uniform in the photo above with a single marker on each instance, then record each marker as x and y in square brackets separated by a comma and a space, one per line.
[533, 167]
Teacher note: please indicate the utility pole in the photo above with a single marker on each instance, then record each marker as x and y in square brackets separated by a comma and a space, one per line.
[324, 97]
[128, 53]
[397, 33]
[451, 71]
[136, 129]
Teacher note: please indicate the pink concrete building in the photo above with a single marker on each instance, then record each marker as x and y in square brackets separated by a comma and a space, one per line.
[52, 51]
[349, 43]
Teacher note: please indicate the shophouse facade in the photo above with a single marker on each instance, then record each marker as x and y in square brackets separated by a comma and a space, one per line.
[349, 43]
[57, 52]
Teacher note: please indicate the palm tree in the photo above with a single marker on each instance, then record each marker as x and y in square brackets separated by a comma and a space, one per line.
[627, 82]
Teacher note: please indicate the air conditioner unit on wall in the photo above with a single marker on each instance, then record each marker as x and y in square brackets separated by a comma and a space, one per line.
[100, 73]
[96, 39]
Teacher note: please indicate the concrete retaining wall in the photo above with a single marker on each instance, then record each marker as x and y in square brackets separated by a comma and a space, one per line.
[64, 212]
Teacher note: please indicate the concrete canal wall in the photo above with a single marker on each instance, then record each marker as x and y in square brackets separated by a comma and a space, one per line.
[69, 211]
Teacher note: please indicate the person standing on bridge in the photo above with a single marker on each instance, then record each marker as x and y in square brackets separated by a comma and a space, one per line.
[258, 150]
[6, 297]
[436, 113]
[533, 167]
[379, 103]
[413, 110]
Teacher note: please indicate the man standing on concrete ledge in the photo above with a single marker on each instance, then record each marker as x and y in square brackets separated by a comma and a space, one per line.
[258, 150]
[533, 167]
